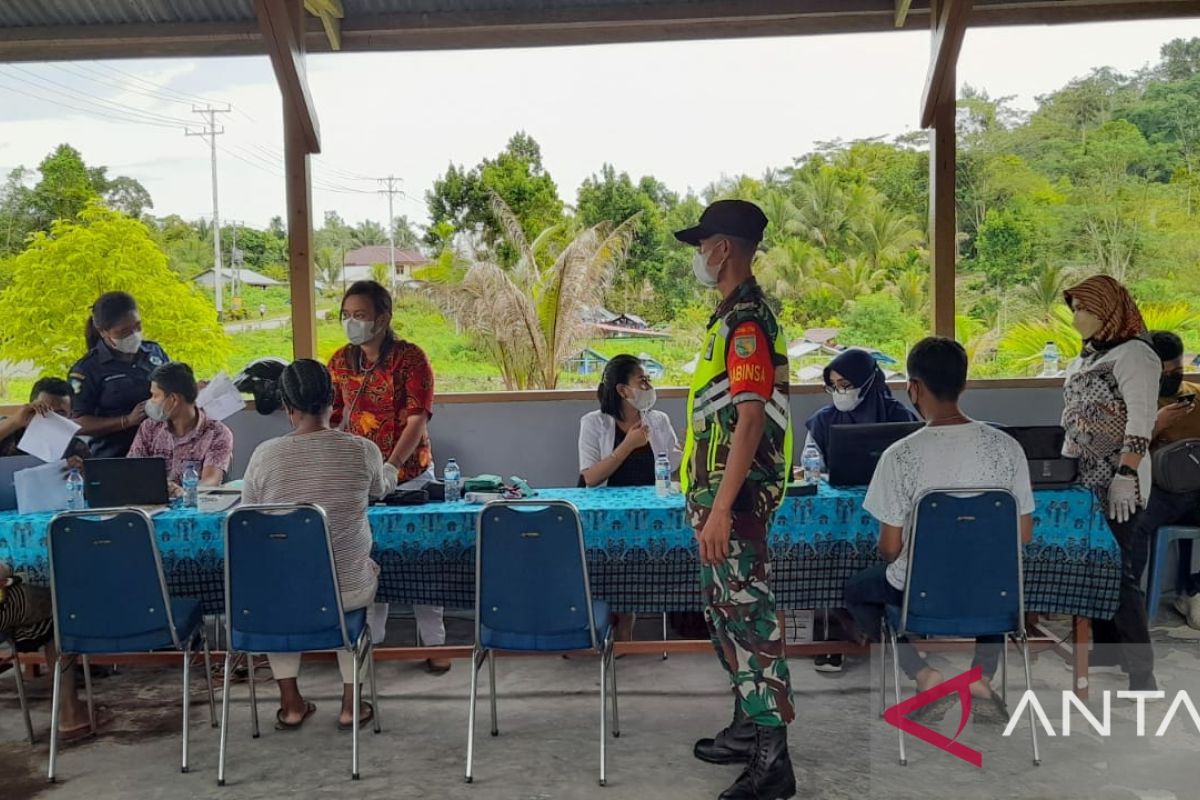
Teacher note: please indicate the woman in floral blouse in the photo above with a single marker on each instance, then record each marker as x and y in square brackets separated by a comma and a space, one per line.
[383, 391]
[1110, 404]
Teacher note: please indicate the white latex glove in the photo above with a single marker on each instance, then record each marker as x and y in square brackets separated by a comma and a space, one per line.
[1122, 497]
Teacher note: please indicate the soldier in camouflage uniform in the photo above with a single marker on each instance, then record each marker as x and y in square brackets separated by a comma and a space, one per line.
[737, 458]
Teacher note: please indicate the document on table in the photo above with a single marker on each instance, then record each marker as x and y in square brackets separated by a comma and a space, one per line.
[47, 436]
[41, 488]
[220, 398]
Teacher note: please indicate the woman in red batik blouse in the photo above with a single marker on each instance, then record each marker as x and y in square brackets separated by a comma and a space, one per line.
[383, 391]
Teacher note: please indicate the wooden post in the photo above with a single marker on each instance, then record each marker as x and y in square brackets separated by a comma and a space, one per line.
[282, 25]
[943, 225]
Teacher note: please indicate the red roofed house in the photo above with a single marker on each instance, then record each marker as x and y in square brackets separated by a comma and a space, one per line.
[358, 264]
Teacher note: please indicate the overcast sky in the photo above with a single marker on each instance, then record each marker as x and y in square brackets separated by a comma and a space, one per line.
[684, 112]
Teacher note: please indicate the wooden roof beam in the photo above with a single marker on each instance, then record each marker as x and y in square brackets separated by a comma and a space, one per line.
[948, 35]
[286, 49]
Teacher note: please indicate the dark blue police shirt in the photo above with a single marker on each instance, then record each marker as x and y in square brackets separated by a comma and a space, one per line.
[106, 386]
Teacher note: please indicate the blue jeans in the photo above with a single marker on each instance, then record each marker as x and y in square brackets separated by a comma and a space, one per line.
[868, 593]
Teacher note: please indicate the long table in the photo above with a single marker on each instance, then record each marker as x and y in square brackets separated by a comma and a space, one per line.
[641, 552]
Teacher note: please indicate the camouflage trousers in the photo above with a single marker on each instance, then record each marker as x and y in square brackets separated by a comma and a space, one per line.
[739, 607]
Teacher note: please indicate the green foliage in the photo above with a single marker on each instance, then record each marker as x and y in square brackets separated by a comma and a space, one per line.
[516, 175]
[1004, 246]
[102, 251]
[878, 320]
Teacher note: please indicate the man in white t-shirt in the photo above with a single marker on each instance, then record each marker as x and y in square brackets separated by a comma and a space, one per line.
[952, 451]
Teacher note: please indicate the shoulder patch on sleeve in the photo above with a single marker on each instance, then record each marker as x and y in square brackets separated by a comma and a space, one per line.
[745, 339]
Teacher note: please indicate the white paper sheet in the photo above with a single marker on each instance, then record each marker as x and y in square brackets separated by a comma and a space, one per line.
[47, 436]
[42, 488]
[220, 398]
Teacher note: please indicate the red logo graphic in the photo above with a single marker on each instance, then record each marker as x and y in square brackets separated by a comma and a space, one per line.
[897, 715]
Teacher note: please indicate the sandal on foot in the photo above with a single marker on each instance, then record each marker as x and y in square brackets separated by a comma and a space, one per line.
[281, 725]
[363, 719]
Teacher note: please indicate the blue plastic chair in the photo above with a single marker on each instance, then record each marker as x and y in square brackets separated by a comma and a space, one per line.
[110, 596]
[282, 596]
[532, 595]
[965, 578]
[1163, 538]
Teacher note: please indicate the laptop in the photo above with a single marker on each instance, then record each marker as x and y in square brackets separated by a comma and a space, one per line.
[112, 482]
[1043, 445]
[854, 450]
[9, 466]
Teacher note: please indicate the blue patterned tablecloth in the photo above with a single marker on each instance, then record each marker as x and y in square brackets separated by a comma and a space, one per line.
[641, 552]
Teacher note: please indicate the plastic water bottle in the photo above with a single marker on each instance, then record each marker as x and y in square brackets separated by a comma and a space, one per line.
[662, 475]
[810, 460]
[1050, 360]
[75, 500]
[452, 478]
[191, 485]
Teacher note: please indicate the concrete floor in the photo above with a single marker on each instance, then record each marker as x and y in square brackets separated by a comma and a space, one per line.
[548, 748]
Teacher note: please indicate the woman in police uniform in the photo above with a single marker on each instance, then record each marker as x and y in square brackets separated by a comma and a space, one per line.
[112, 382]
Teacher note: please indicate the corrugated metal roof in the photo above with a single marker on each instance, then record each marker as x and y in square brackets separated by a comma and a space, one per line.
[46, 13]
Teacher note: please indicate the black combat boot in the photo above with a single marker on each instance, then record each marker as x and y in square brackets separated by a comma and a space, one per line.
[733, 745]
[769, 775]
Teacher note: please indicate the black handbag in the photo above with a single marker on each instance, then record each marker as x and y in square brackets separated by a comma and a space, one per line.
[1176, 467]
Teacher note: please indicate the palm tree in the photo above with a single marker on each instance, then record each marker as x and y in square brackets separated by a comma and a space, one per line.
[823, 210]
[329, 267]
[911, 288]
[854, 278]
[1045, 292]
[883, 234]
[530, 317]
[791, 267]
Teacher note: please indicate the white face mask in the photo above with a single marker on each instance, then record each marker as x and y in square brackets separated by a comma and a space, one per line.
[358, 331]
[129, 345]
[702, 271]
[847, 400]
[644, 399]
[156, 411]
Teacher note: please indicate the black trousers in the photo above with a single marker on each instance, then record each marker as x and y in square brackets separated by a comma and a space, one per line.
[1166, 508]
[1130, 628]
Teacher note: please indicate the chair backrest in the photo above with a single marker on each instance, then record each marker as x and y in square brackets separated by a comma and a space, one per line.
[964, 564]
[280, 578]
[106, 577]
[531, 569]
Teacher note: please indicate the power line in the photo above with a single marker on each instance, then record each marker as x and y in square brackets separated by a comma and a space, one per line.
[85, 110]
[51, 85]
[129, 76]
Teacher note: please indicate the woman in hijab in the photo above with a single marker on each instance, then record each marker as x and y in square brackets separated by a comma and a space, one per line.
[1110, 400]
[860, 397]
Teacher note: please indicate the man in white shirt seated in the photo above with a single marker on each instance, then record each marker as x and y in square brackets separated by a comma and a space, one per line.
[952, 451]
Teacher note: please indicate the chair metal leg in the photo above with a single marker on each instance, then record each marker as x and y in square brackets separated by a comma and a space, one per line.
[491, 659]
[374, 689]
[21, 698]
[1037, 759]
[882, 670]
[208, 679]
[354, 715]
[55, 712]
[254, 732]
[664, 634]
[612, 671]
[1004, 671]
[603, 711]
[87, 689]
[224, 718]
[187, 679]
[476, 655]
[896, 677]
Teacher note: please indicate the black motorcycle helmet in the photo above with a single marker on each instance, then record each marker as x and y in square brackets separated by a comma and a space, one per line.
[261, 378]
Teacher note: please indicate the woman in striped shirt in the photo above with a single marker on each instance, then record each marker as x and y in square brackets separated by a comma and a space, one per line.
[339, 472]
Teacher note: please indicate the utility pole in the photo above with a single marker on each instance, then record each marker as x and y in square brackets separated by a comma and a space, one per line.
[235, 259]
[212, 132]
[391, 191]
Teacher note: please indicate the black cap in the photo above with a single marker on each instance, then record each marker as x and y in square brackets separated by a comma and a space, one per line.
[737, 218]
